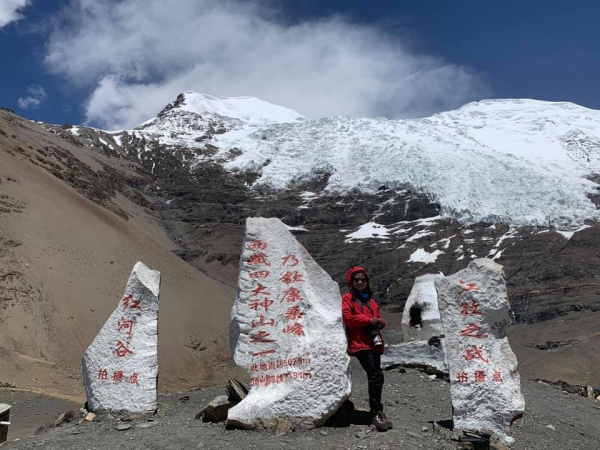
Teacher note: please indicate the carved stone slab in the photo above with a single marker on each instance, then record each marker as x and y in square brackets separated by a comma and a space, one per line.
[485, 383]
[286, 330]
[120, 367]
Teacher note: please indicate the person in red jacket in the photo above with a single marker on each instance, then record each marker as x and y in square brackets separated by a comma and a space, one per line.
[361, 317]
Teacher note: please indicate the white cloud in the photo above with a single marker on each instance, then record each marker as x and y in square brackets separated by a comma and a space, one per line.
[35, 95]
[137, 55]
[9, 10]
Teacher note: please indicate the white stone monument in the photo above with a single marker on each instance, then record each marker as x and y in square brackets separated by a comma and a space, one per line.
[286, 330]
[120, 367]
[485, 383]
[420, 322]
[421, 317]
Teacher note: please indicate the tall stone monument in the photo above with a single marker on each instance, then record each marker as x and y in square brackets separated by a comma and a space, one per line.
[485, 383]
[286, 330]
[120, 367]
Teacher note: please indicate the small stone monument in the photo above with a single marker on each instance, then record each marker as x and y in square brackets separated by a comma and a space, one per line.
[421, 317]
[286, 330]
[485, 383]
[420, 323]
[120, 367]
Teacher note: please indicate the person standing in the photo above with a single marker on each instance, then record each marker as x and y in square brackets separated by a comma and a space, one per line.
[360, 314]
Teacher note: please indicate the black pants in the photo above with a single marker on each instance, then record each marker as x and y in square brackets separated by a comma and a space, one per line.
[371, 362]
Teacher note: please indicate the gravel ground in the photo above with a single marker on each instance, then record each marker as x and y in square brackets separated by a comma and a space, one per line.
[412, 402]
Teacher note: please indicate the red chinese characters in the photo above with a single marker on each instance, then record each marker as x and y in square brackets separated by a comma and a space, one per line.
[290, 261]
[471, 331]
[497, 377]
[297, 329]
[133, 378]
[262, 322]
[131, 303]
[267, 380]
[125, 325]
[257, 244]
[258, 258]
[260, 289]
[479, 376]
[475, 353]
[260, 301]
[261, 337]
[263, 352]
[292, 277]
[260, 274]
[265, 303]
[291, 295]
[462, 377]
[118, 376]
[467, 287]
[294, 313]
[469, 309]
[122, 350]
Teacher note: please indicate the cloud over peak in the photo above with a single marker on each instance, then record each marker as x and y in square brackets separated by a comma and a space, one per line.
[136, 56]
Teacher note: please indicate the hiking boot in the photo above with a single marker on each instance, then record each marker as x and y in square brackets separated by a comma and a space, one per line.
[381, 422]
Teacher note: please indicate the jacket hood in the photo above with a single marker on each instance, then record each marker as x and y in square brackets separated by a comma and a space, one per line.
[352, 272]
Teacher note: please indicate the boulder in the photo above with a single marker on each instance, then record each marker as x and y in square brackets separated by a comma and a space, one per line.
[216, 410]
[286, 331]
[485, 383]
[120, 367]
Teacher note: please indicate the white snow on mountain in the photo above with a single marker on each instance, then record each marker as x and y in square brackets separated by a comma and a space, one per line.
[247, 109]
[522, 162]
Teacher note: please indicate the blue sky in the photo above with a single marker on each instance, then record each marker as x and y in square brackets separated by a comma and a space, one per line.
[115, 64]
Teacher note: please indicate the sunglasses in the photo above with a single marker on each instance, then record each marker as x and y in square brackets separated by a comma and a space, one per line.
[359, 280]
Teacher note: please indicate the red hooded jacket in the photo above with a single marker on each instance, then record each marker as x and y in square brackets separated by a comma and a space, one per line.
[357, 315]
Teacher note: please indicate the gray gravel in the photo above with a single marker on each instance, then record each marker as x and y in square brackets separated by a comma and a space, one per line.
[412, 402]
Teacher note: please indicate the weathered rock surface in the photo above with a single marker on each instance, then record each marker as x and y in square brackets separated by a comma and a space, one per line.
[484, 376]
[120, 367]
[286, 330]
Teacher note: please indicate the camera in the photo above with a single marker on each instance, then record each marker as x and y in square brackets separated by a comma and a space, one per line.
[374, 333]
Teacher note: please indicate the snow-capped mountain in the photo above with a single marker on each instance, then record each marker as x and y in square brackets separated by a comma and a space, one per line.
[522, 162]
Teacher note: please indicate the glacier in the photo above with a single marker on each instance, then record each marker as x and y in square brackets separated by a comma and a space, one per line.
[518, 161]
